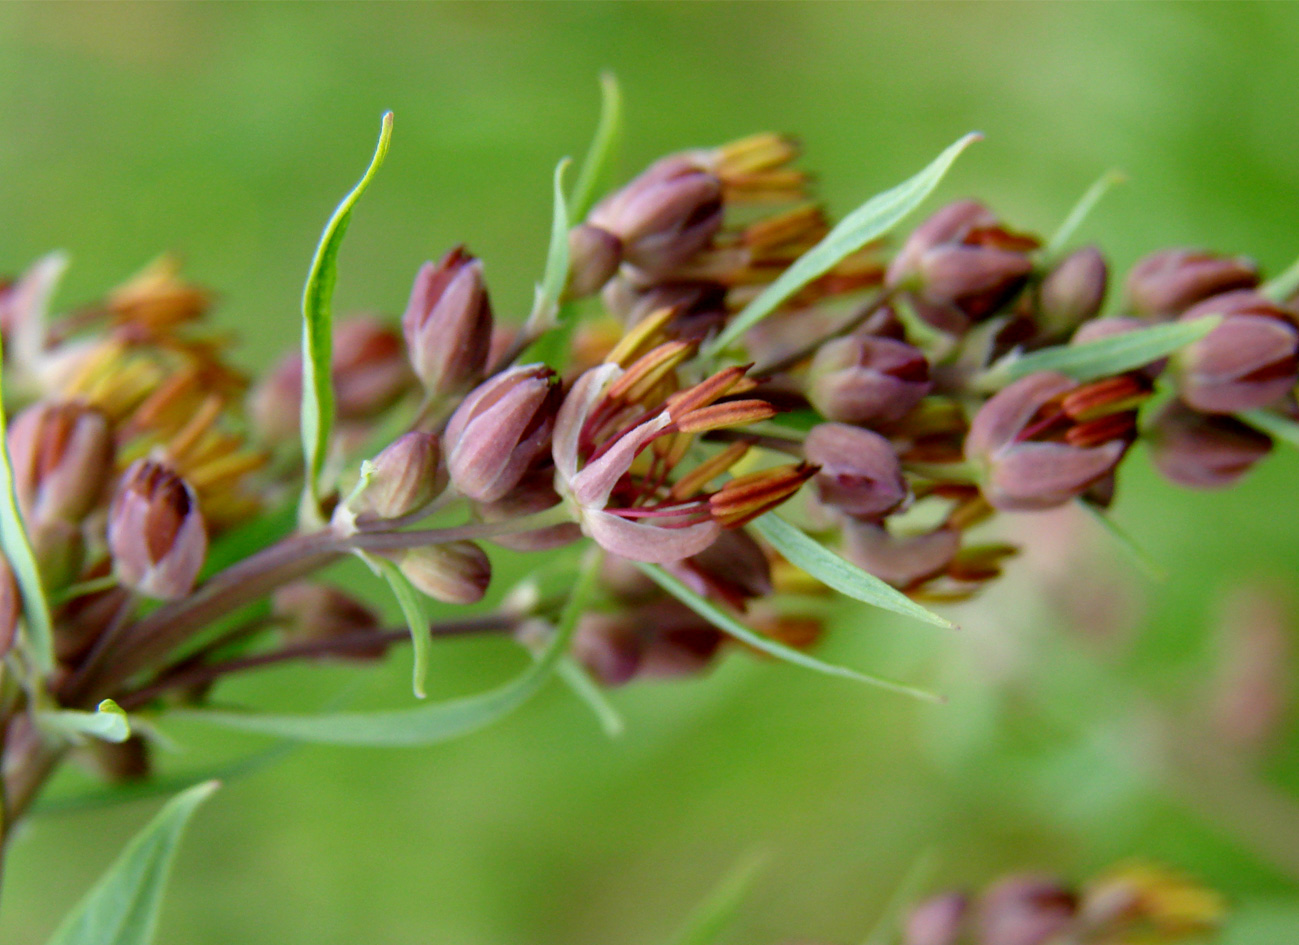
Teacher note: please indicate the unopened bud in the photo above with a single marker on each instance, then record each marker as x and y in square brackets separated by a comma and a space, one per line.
[310, 612]
[664, 216]
[534, 493]
[1166, 283]
[404, 477]
[733, 568]
[939, 920]
[860, 472]
[594, 255]
[1073, 291]
[1202, 451]
[608, 646]
[448, 323]
[156, 532]
[457, 572]
[867, 380]
[499, 429]
[11, 608]
[902, 560]
[60, 454]
[1026, 910]
[1250, 360]
[698, 308]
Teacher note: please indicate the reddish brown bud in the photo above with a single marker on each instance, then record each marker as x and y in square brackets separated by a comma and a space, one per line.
[867, 380]
[457, 572]
[404, 478]
[594, 255]
[1026, 910]
[860, 472]
[698, 308]
[664, 216]
[1250, 360]
[733, 569]
[499, 429]
[310, 612]
[1166, 283]
[155, 531]
[1201, 451]
[1073, 291]
[901, 560]
[448, 323]
[939, 920]
[61, 454]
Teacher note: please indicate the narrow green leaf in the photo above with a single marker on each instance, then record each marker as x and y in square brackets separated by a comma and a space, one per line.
[1281, 287]
[411, 602]
[318, 335]
[122, 908]
[545, 308]
[107, 723]
[728, 624]
[904, 894]
[22, 560]
[1102, 357]
[1140, 557]
[1283, 428]
[713, 917]
[588, 690]
[871, 220]
[836, 573]
[1081, 210]
[595, 166]
[430, 724]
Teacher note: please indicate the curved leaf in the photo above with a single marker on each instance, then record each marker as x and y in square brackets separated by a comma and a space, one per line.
[871, 220]
[595, 165]
[545, 308]
[1107, 182]
[107, 723]
[412, 607]
[834, 572]
[318, 335]
[122, 908]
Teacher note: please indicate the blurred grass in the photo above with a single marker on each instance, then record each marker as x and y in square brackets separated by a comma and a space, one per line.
[227, 132]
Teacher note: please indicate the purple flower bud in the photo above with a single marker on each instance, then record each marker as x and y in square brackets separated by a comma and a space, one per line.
[156, 532]
[1022, 473]
[60, 454]
[867, 380]
[534, 493]
[457, 572]
[1166, 283]
[500, 428]
[860, 472]
[698, 308]
[310, 612]
[664, 216]
[448, 323]
[405, 477]
[678, 643]
[1202, 451]
[1250, 360]
[1073, 291]
[11, 608]
[1026, 910]
[903, 561]
[609, 647]
[733, 569]
[939, 920]
[594, 255]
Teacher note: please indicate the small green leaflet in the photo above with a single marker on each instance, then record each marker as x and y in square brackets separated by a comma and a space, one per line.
[588, 690]
[107, 723]
[713, 917]
[411, 602]
[122, 908]
[836, 573]
[22, 560]
[1102, 357]
[595, 166]
[871, 220]
[1283, 428]
[318, 336]
[728, 624]
[1281, 287]
[545, 308]
[430, 724]
[1081, 210]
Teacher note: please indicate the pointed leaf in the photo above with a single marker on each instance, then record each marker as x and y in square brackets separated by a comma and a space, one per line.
[595, 166]
[107, 723]
[411, 602]
[713, 917]
[318, 335]
[870, 221]
[545, 308]
[426, 725]
[17, 549]
[1107, 182]
[1104, 356]
[122, 908]
[745, 634]
[834, 572]
[588, 690]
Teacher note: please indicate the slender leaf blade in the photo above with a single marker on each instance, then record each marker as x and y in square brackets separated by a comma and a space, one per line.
[107, 723]
[1152, 568]
[416, 615]
[595, 166]
[122, 908]
[745, 634]
[1104, 356]
[425, 725]
[585, 688]
[318, 334]
[1281, 287]
[1081, 210]
[17, 549]
[545, 308]
[1283, 428]
[715, 915]
[871, 220]
[834, 572]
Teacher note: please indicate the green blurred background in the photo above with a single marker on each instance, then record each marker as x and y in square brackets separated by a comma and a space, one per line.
[227, 132]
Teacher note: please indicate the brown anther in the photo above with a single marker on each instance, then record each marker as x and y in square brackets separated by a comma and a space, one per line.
[1114, 426]
[1106, 396]
[694, 482]
[744, 498]
[641, 338]
[980, 563]
[729, 414]
[708, 391]
[759, 152]
[649, 370]
[797, 228]
[969, 513]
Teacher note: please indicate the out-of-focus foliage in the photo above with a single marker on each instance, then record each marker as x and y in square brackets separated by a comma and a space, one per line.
[1090, 714]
